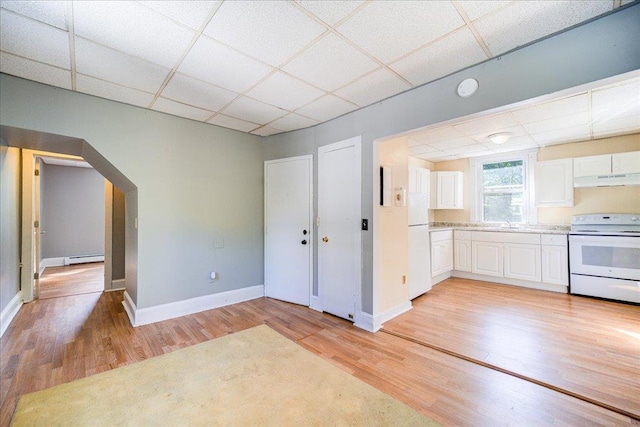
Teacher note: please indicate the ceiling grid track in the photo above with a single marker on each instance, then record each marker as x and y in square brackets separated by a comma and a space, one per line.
[72, 45]
[184, 55]
[473, 29]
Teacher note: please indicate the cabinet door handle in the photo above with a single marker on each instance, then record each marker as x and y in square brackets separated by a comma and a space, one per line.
[325, 239]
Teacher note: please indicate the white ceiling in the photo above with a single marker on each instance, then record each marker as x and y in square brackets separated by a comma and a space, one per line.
[604, 111]
[266, 67]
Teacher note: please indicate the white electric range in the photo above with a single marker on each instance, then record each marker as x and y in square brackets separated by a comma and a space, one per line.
[604, 256]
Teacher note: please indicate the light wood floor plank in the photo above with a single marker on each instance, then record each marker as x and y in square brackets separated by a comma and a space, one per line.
[57, 340]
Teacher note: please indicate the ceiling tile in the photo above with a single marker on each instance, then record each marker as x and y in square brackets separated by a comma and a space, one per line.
[526, 21]
[266, 131]
[508, 148]
[490, 124]
[272, 31]
[576, 133]
[445, 56]
[34, 40]
[554, 109]
[437, 156]
[330, 63]
[212, 62]
[50, 12]
[388, 32]
[373, 87]
[133, 29]
[113, 91]
[284, 92]
[617, 101]
[421, 149]
[232, 123]
[181, 110]
[477, 8]
[197, 93]
[36, 71]
[453, 143]
[620, 124]
[326, 108]
[439, 134]
[254, 111]
[330, 11]
[558, 123]
[190, 13]
[292, 121]
[465, 150]
[114, 66]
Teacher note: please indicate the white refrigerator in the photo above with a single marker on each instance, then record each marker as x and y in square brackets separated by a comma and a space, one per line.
[419, 279]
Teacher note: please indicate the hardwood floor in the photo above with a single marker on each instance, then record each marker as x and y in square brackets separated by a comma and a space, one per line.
[72, 280]
[588, 347]
[57, 340]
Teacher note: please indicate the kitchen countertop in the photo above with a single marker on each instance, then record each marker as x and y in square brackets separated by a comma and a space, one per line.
[498, 229]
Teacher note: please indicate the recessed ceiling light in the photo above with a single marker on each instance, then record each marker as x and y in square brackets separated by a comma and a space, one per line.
[467, 88]
[499, 138]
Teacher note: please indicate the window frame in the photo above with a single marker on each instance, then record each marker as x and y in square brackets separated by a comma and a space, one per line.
[476, 198]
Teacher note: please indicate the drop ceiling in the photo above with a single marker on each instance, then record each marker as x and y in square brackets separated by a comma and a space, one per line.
[266, 67]
[604, 111]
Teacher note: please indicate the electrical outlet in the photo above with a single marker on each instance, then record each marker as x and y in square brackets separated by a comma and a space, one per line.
[404, 279]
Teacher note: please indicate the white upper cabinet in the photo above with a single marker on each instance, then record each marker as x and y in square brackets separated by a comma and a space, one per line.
[419, 180]
[626, 162]
[554, 183]
[592, 165]
[606, 164]
[446, 190]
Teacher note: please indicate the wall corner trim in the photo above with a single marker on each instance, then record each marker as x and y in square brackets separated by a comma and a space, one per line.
[373, 323]
[316, 303]
[10, 312]
[157, 313]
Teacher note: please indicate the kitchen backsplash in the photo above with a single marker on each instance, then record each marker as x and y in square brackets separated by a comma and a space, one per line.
[560, 227]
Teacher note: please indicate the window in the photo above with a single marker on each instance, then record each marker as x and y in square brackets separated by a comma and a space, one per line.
[501, 188]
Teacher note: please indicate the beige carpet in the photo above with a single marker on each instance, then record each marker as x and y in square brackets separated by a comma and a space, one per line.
[253, 377]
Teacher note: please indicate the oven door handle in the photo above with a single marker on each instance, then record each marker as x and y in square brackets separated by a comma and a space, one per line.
[629, 241]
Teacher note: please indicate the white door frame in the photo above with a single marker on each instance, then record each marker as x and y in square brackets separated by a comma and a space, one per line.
[357, 143]
[28, 214]
[311, 240]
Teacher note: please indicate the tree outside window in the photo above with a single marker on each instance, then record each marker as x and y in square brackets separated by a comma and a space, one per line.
[503, 191]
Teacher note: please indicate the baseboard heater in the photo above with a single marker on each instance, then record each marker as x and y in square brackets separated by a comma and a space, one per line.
[81, 259]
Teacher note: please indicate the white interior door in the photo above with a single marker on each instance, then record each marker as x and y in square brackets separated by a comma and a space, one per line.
[339, 245]
[288, 217]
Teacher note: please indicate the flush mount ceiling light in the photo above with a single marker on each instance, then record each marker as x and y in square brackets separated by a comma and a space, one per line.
[499, 138]
[467, 88]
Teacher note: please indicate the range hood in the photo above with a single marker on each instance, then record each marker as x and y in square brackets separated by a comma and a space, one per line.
[607, 180]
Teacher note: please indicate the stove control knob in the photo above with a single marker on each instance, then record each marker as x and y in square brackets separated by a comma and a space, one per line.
[634, 218]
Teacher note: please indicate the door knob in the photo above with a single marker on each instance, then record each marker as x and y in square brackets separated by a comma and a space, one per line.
[304, 242]
[325, 239]
[304, 232]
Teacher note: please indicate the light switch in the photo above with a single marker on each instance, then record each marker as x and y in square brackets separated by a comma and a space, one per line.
[218, 243]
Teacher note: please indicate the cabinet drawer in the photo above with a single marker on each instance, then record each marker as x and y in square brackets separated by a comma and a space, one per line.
[437, 236]
[461, 235]
[553, 239]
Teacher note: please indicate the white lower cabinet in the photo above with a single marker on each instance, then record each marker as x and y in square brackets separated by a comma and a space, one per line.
[462, 250]
[522, 262]
[441, 252]
[555, 260]
[486, 258]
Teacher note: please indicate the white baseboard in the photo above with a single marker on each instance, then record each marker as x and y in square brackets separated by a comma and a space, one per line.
[118, 285]
[51, 262]
[157, 313]
[316, 304]
[9, 312]
[373, 323]
[512, 282]
[439, 278]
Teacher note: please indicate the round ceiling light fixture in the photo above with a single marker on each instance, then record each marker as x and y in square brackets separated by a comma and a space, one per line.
[467, 88]
[500, 137]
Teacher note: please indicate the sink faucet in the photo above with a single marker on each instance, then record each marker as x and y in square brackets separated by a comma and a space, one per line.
[508, 224]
